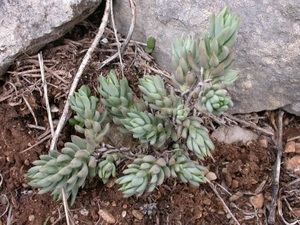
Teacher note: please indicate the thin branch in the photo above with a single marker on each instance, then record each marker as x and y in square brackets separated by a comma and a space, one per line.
[30, 110]
[212, 186]
[37, 143]
[129, 35]
[248, 124]
[116, 36]
[77, 77]
[66, 208]
[44, 84]
[276, 174]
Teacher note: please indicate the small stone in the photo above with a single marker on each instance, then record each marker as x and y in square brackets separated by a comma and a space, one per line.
[124, 213]
[114, 204]
[297, 147]
[211, 176]
[84, 212]
[206, 201]
[26, 162]
[263, 142]
[236, 196]
[106, 216]
[234, 184]
[293, 164]
[104, 40]
[110, 183]
[137, 214]
[31, 218]
[296, 211]
[290, 147]
[54, 109]
[124, 206]
[257, 201]
[52, 219]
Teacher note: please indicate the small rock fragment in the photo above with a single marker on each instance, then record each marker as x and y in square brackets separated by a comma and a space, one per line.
[124, 213]
[234, 184]
[211, 176]
[236, 196]
[297, 147]
[290, 147]
[296, 211]
[293, 164]
[31, 218]
[263, 142]
[137, 214]
[233, 134]
[257, 201]
[106, 216]
[84, 212]
[110, 183]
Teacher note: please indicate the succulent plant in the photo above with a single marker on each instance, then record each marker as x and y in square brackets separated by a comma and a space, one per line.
[185, 169]
[143, 175]
[215, 49]
[107, 167]
[216, 100]
[116, 95]
[70, 168]
[147, 128]
[163, 116]
[156, 95]
[185, 57]
[197, 138]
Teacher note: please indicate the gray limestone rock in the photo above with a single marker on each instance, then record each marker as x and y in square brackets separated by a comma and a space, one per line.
[27, 25]
[267, 51]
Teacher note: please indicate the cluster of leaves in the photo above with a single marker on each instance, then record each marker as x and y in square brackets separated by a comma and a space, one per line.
[163, 118]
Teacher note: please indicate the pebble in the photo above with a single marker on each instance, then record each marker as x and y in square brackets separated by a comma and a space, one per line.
[290, 147]
[124, 206]
[257, 201]
[297, 147]
[84, 212]
[137, 214]
[106, 216]
[263, 141]
[31, 218]
[110, 183]
[211, 176]
[114, 204]
[124, 213]
[234, 184]
[293, 164]
[236, 196]
[206, 201]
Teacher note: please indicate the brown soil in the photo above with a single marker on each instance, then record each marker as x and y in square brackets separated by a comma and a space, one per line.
[238, 168]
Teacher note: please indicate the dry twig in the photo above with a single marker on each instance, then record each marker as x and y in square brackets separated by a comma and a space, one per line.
[77, 77]
[129, 35]
[66, 208]
[212, 186]
[116, 36]
[276, 174]
[248, 124]
[44, 83]
[30, 110]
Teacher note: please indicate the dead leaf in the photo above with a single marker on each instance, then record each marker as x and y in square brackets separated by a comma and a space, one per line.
[106, 216]
[257, 201]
